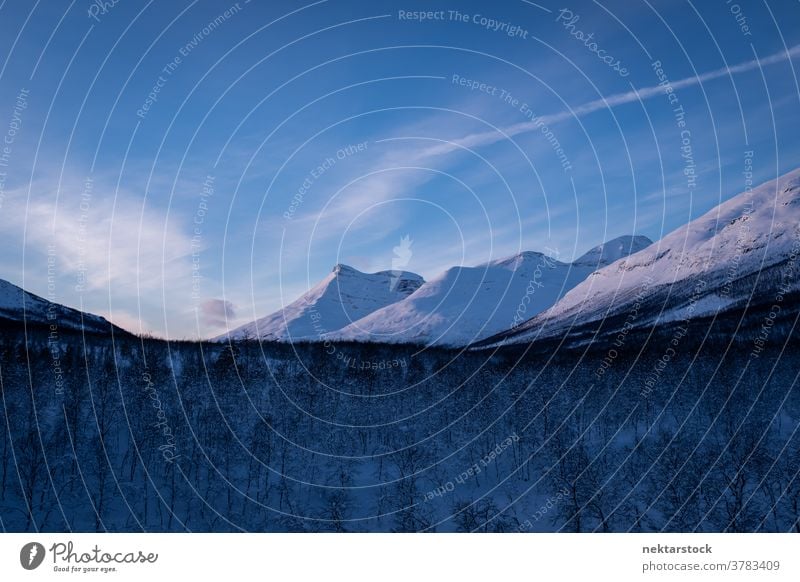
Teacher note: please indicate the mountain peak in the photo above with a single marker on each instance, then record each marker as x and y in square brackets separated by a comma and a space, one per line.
[342, 269]
[613, 250]
[519, 260]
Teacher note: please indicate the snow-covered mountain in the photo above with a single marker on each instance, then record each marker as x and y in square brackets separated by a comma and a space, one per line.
[744, 251]
[466, 304]
[17, 306]
[342, 297]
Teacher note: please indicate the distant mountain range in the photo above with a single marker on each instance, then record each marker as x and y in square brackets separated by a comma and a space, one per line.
[739, 254]
[460, 306]
[742, 253]
[466, 304]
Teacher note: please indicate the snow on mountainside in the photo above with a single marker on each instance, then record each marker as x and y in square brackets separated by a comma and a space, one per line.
[742, 251]
[18, 306]
[343, 296]
[613, 250]
[465, 304]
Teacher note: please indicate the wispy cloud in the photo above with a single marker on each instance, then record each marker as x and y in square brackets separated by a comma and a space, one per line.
[103, 242]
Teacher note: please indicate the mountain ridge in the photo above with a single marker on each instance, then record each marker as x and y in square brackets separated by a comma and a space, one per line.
[465, 304]
[699, 269]
[21, 307]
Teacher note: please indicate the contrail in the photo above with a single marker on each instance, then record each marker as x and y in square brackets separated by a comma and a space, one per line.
[489, 137]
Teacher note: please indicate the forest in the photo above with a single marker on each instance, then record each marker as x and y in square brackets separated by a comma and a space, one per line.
[126, 434]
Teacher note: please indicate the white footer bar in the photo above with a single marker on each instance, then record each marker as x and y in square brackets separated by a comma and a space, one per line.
[389, 557]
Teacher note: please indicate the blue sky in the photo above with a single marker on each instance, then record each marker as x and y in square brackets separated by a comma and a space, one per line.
[181, 162]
